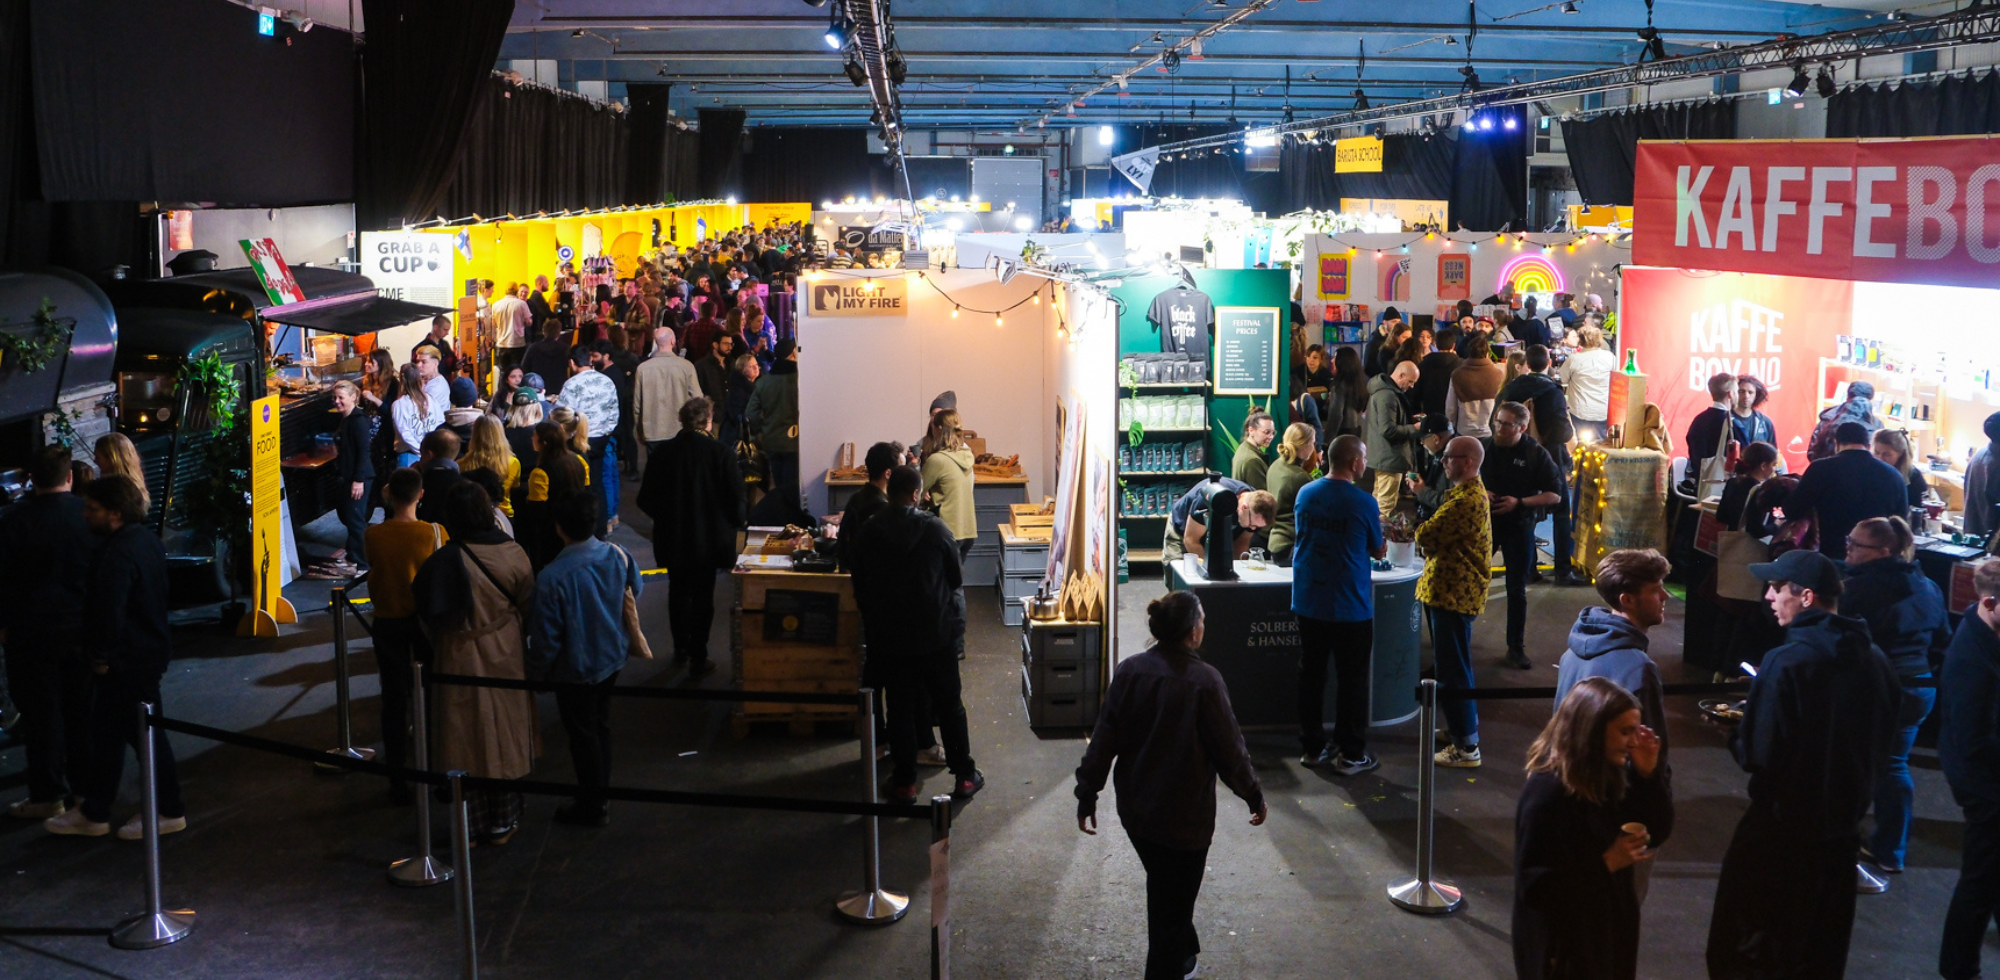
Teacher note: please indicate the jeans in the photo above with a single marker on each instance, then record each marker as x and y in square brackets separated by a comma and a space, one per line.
[114, 724]
[399, 642]
[1516, 541]
[1173, 882]
[586, 717]
[506, 359]
[612, 483]
[1894, 790]
[354, 516]
[1451, 642]
[1562, 517]
[1976, 900]
[1351, 646]
[909, 680]
[50, 684]
[691, 611]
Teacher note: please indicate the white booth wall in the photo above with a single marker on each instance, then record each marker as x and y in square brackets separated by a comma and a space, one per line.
[1088, 251]
[1588, 265]
[865, 379]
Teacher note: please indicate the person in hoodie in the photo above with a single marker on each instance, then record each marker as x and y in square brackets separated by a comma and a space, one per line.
[1969, 750]
[1815, 736]
[1549, 408]
[907, 581]
[1905, 614]
[1610, 640]
[948, 479]
[1391, 435]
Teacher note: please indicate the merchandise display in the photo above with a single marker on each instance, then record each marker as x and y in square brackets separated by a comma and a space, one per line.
[1186, 321]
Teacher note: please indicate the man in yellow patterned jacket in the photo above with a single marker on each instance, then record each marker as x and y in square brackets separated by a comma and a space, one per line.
[1458, 549]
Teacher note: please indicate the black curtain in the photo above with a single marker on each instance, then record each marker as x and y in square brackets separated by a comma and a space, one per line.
[1413, 168]
[682, 160]
[182, 100]
[720, 168]
[1604, 150]
[812, 164]
[423, 71]
[1946, 107]
[1489, 188]
[940, 177]
[533, 149]
[646, 154]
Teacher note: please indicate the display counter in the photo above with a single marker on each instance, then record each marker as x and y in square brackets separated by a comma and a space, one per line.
[792, 631]
[991, 496]
[1253, 639]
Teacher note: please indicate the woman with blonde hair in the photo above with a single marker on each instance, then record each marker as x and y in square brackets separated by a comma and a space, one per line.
[1289, 473]
[1893, 448]
[1586, 381]
[116, 456]
[948, 480]
[488, 450]
[1517, 365]
[1594, 805]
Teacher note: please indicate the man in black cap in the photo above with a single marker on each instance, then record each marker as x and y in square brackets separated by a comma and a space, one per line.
[1846, 488]
[1815, 734]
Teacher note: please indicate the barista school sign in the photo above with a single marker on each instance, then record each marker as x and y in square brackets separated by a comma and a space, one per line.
[885, 296]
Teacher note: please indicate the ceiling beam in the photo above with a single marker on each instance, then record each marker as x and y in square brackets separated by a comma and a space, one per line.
[677, 24]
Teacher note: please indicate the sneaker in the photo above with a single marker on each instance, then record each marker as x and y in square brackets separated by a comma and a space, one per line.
[74, 823]
[34, 810]
[1517, 658]
[1344, 766]
[1571, 580]
[1317, 760]
[701, 668]
[1868, 855]
[933, 756]
[968, 786]
[901, 794]
[499, 837]
[135, 828]
[680, 659]
[1456, 758]
[579, 814]
[1191, 969]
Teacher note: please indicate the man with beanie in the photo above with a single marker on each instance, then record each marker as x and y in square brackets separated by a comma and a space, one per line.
[1373, 359]
[1982, 482]
[1815, 735]
[1846, 488]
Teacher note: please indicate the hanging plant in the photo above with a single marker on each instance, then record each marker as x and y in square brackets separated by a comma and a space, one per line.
[218, 505]
[39, 348]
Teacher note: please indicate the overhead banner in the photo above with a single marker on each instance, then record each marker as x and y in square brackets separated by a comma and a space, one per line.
[1358, 155]
[884, 296]
[1916, 211]
[1138, 167]
[1688, 326]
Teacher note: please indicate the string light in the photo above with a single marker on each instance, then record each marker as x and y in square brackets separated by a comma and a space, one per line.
[998, 321]
[954, 312]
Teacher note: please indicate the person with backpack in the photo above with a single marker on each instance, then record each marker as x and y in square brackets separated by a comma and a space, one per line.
[1858, 408]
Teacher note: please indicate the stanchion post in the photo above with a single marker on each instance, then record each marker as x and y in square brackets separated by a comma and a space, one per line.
[343, 695]
[872, 905]
[1422, 894]
[461, 853]
[422, 870]
[156, 926]
[940, 888]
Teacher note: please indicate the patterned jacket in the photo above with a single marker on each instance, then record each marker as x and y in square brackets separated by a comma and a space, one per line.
[1458, 541]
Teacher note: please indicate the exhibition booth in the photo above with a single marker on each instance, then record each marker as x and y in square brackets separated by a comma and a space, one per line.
[1355, 276]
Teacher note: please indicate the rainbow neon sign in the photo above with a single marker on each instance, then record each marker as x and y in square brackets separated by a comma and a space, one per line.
[1531, 274]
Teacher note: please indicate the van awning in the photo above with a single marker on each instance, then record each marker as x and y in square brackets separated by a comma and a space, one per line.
[352, 315]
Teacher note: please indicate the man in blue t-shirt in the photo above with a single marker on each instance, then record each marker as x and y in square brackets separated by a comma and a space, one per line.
[1333, 594]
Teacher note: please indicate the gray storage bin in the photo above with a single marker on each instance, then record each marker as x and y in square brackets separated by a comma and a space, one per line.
[1014, 586]
[1019, 558]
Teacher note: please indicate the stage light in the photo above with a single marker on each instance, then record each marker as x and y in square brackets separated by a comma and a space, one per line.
[836, 32]
[299, 21]
[1570, 8]
[1486, 123]
[1508, 122]
[1799, 83]
[855, 73]
[1104, 136]
[1471, 123]
[899, 69]
[1825, 83]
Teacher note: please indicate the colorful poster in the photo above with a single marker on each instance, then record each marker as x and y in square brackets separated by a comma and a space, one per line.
[1687, 326]
[1454, 276]
[267, 557]
[1394, 284]
[272, 272]
[1917, 211]
[1333, 274]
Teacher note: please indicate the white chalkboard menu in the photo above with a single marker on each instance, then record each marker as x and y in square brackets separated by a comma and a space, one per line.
[1246, 350]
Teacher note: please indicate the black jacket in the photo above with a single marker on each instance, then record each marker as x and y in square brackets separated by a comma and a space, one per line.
[1434, 380]
[1904, 611]
[45, 553]
[125, 608]
[1522, 470]
[713, 376]
[1704, 433]
[440, 475]
[1969, 710]
[1817, 726]
[550, 359]
[1573, 918]
[1845, 489]
[865, 504]
[1544, 397]
[354, 438]
[906, 581]
[692, 492]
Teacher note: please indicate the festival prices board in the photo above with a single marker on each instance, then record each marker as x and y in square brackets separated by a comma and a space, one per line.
[1246, 350]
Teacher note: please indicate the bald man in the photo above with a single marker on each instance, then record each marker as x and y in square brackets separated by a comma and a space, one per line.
[1391, 434]
[1339, 528]
[660, 386]
[1459, 542]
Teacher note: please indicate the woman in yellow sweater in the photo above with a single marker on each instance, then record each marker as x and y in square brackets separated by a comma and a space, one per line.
[489, 451]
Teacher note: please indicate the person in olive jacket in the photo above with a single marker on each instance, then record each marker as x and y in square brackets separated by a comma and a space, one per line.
[690, 492]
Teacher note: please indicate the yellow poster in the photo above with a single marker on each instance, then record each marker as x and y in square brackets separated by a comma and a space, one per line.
[267, 546]
[1358, 155]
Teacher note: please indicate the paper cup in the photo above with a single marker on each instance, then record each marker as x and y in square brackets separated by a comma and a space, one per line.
[1637, 828]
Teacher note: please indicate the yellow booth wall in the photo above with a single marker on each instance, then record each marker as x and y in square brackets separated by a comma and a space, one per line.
[517, 250]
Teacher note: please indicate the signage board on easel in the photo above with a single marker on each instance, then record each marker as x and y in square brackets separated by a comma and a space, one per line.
[1246, 350]
[267, 558]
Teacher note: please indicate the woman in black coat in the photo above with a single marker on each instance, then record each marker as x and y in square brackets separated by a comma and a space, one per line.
[1593, 774]
[354, 439]
[693, 494]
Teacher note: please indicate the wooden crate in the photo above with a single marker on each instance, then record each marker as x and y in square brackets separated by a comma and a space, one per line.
[763, 665]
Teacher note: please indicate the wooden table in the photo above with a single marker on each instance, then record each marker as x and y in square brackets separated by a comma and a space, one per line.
[831, 666]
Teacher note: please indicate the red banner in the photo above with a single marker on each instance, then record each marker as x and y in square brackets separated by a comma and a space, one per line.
[1687, 326]
[1918, 211]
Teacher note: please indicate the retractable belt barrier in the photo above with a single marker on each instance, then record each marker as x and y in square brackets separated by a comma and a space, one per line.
[1424, 894]
[874, 905]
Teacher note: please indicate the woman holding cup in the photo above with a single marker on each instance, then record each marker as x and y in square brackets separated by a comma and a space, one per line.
[1594, 805]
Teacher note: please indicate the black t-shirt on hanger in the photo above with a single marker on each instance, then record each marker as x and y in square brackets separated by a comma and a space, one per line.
[1186, 319]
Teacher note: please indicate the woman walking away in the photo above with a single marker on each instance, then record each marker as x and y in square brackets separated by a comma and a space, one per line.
[473, 597]
[1592, 808]
[1168, 724]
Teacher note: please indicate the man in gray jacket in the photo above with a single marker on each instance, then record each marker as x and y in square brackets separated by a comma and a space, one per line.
[1390, 434]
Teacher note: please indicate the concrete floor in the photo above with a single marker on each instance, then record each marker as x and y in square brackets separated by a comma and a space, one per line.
[286, 868]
